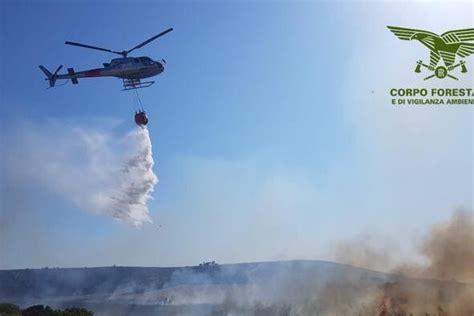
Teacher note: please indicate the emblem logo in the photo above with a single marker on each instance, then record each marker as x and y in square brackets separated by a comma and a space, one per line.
[445, 47]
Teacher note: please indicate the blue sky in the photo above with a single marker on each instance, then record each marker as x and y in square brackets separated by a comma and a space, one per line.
[267, 139]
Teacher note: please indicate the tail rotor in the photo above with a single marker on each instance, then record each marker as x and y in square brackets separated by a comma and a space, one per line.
[51, 77]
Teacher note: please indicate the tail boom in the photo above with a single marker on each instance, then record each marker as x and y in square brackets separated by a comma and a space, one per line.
[74, 76]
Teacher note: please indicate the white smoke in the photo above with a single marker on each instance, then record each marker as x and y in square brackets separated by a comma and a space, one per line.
[94, 167]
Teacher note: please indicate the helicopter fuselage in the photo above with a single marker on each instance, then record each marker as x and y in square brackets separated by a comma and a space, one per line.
[124, 68]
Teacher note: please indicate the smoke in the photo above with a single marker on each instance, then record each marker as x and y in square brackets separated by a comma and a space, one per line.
[300, 287]
[365, 251]
[450, 249]
[432, 287]
[96, 168]
[438, 286]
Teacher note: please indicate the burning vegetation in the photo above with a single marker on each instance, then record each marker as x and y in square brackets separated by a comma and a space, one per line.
[447, 288]
[441, 286]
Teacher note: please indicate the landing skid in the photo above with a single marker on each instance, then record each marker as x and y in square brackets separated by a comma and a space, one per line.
[130, 84]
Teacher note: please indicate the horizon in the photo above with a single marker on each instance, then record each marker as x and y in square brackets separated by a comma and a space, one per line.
[198, 264]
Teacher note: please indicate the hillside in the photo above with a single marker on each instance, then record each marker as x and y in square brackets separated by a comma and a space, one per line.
[205, 289]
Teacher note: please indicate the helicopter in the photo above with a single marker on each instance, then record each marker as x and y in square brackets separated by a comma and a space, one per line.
[130, 69]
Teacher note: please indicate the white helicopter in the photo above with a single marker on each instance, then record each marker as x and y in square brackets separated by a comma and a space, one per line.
[130, 69]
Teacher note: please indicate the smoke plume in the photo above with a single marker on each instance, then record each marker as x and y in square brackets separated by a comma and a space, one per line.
[450, 249]
[442, 285]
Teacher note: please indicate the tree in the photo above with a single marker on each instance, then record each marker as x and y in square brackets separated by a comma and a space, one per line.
[9, 310]
[39, 310]
[76, 312]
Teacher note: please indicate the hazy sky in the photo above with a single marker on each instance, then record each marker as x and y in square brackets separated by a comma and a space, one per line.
[268, 140]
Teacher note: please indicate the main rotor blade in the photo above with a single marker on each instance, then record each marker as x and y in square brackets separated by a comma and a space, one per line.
[151, 39]
[57, 70]
[92, 47]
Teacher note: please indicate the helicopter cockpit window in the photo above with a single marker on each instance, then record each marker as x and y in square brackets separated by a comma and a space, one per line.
[146, 61]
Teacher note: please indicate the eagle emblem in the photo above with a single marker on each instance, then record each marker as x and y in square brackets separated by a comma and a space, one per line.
[445, 47]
